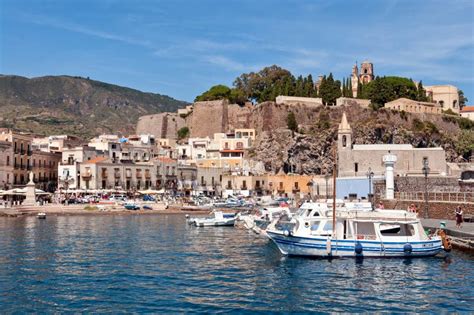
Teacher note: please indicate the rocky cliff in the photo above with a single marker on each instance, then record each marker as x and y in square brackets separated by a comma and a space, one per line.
[310, 150]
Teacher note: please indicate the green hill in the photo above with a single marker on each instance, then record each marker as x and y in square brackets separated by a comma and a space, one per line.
[75, 105]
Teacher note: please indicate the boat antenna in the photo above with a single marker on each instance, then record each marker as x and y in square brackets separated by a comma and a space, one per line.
[334, 175]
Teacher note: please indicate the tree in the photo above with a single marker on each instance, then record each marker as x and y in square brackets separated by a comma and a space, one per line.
[262, 86]
[217, 92]
[465, 144]
[386, 89]
[291, 122]
[462, 99]
[421, 93]
[359, 89]
[330, 90]
[183, 133]
[349, 81]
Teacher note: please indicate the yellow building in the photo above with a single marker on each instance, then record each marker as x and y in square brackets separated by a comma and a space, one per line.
[411, 106]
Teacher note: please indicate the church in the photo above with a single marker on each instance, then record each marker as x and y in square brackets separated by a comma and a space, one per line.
[355, 159]
[365, 76]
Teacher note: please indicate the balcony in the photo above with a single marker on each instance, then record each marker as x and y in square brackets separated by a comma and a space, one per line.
[86, 174]
[139, 175]
[29, 152]
[147, 175]
[243, 187]
[22, 152]
[128, 174]
[117, 174]
[104, 175]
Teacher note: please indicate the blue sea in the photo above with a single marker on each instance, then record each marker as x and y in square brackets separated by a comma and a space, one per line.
[157, 263]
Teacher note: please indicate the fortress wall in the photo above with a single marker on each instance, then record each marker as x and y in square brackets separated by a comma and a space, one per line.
[239, 117]
[151, 124]
[163, 125]
[208, 118]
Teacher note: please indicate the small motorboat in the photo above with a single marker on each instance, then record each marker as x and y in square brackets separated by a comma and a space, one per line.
[131, 206]
[41, 215]
[218, 218]
[147, 207]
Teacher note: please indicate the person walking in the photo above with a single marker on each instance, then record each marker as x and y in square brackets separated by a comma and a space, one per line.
[459, 217]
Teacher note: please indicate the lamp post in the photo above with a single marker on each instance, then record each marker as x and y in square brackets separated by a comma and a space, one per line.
[426, 171]
[370, 175]
[326, 177]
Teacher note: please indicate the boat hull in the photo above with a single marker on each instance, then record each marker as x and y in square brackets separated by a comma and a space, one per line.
[204, 223]
[324, 247]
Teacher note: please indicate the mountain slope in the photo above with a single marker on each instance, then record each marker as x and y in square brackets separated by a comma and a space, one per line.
[75, 105]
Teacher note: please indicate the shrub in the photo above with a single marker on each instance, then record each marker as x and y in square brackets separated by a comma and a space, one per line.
[291, 122]
[183, 133]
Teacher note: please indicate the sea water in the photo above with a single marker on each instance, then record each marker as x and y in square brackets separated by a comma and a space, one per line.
[157, 263]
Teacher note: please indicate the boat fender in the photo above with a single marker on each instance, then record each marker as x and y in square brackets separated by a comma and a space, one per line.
[328, 246]
[445, 240]
[407, 249]
[286, 232]
[358, 248]
[306, 224]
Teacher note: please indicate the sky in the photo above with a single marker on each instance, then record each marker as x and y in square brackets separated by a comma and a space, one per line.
[182, 48]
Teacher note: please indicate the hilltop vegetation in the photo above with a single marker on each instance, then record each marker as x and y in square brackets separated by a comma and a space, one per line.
[266, 84]
[74, 105]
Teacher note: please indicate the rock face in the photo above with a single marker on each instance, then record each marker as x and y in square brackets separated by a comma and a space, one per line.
[74, 105]
[310, 151]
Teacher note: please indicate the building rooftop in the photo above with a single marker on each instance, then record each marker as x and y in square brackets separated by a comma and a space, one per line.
[388, 147]
[96, 160]
[468, 109]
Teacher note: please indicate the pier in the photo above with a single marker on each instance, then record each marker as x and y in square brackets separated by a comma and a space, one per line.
[461, 238]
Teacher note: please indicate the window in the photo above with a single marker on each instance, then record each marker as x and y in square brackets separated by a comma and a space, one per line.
[356, 167]
[296, 185]
[328, 226]
[8, 160]
[315, 225]
[441, 103]
[202, 180]
[229, 185]
[397, 229]
[344, 141]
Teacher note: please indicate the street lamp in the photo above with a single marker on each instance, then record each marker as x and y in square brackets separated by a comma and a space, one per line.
[370, 175]
[426, 171]
[327, 177]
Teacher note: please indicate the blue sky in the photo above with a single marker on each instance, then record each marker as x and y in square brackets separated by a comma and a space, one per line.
[181, 48]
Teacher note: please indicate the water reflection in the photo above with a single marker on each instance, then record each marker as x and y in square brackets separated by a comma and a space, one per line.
[158, 263]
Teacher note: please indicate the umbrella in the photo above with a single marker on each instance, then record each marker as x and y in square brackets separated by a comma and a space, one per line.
[149, 192]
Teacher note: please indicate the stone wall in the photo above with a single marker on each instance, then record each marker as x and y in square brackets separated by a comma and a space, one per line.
[348, 101]
[436, 210]
[208, 118]
[163, 125]
[435, 184]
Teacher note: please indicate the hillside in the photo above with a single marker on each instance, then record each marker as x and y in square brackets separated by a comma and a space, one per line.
[74, 105]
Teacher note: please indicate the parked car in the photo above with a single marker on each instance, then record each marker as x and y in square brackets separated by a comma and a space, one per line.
[148, 198]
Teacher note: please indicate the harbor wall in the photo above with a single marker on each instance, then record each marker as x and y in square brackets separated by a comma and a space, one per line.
[436, 209]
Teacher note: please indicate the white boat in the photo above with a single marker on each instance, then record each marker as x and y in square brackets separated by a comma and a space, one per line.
[366, 233]
[259, 221]
[41, 215]
[218, 218]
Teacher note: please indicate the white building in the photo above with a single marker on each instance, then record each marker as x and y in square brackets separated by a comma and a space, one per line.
[446, 96]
